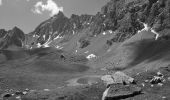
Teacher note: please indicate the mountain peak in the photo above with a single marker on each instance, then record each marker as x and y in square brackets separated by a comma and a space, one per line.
[12, 37]
[59, 15]
[17, 30]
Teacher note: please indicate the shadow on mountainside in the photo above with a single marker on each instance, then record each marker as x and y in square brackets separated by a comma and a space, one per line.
[149, 50]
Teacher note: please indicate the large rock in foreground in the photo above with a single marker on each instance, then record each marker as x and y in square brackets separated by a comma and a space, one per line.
[119, 91]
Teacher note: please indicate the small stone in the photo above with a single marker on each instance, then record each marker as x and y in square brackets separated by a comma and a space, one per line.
[46, 90]
[7, 95]
[163, 80]
[160, 84]
[160, 74]
[26, 89]
[32, 90]
[143, 84]
[25, 92]
[163, 97]
[169, 78]
[137, 73]
[18, 97]
[103, 69]
[18, 93]
[152, 85]
[146, 81]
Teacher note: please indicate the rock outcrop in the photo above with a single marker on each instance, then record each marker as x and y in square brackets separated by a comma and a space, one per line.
[14, 37]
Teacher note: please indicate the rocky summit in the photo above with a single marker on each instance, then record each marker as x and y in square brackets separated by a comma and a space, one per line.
[119, 53]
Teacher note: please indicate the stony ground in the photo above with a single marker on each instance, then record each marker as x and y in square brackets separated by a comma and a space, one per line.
[94, 91]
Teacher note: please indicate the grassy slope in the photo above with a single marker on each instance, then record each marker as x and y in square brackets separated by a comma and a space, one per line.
[44, 69]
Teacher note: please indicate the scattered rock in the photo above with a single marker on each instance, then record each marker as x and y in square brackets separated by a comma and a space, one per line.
[26, 89]
[169, 78]
[19, 93]
[146, 81]
[143, 84]
[160, 74]
[25, 92]
[119, 91]
[160, 84]
[156, 80]
[18, 97]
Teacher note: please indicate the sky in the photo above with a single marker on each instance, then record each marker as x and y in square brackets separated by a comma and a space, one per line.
[28, 14]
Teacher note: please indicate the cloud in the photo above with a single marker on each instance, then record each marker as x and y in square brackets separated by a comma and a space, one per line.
[0, 2]
[50, 6]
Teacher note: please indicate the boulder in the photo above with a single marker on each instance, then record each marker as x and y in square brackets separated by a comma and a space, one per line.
[120, 91]
[107, 79]
[118, 77]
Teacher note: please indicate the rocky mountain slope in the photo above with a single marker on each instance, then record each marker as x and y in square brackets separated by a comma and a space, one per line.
[14, 37]
[96, 34]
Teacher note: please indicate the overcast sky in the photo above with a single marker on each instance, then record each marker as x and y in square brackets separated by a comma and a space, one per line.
[27, 14]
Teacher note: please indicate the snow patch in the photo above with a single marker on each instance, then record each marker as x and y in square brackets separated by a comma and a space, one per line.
[44, 37]
[104, 33]
[58, 37]
[36, 36]
[48, 42]
[91, 56]
[148, 28]
[157, 34]
[39, 45]
[58, 47]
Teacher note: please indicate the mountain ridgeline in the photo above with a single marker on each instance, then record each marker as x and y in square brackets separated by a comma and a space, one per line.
[120, 18]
